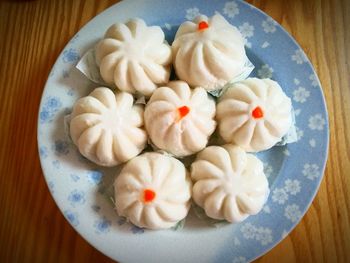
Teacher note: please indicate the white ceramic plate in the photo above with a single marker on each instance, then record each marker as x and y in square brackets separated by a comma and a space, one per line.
[81, 189]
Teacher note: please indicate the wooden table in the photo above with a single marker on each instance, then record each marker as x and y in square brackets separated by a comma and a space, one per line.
[32, 34]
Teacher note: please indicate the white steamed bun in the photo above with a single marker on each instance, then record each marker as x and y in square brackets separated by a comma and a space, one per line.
[208, 52]
[108, 127]
[254, 114]
[134, 57]
[229, 183]
[179, 119]
[153, 191]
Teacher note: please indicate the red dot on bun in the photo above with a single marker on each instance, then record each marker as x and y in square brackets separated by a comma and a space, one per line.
[202, 25]
[257, 113]
[148, 195]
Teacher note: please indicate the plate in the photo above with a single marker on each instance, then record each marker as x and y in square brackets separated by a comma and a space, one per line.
[82, 189]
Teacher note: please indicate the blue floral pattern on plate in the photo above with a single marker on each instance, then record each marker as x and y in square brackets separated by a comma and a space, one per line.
[70, 55]
[52, 105]
[294, 171]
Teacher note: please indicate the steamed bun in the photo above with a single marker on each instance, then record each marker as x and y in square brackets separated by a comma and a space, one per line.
[229, 183]
[108, 128]
[254, 114]
[179, 119]
[153, 191]
[134, 57]
[208, 52]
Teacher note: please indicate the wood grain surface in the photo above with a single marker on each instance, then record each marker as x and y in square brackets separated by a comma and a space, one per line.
[32, 34]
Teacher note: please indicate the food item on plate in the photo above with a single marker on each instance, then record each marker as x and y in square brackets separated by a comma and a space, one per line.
[179, 119]
[254, 114]
[134, 57]
[229, 183]
[208, 52]
[153, 191]
[108, 128]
